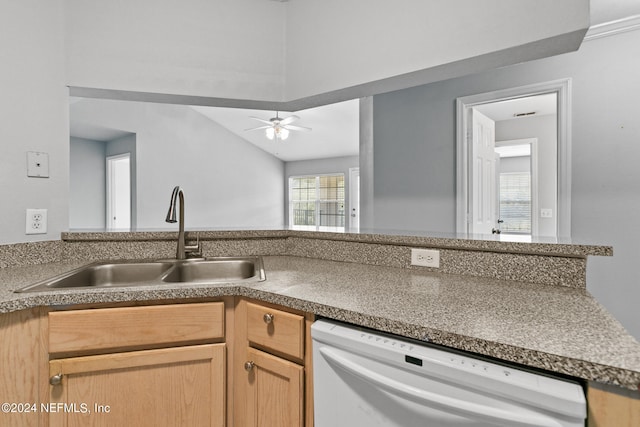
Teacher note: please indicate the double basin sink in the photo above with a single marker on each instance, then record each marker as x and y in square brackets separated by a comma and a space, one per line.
[156, 272]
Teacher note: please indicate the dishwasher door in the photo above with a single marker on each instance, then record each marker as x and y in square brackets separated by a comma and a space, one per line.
[362, 378]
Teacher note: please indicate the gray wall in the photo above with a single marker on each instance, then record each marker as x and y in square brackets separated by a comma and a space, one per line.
[227, 181]
[414, 157]
[318, 167]
[545, 129]
[87, 184]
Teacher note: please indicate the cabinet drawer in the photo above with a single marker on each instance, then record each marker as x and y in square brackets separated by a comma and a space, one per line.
[276, 330]
[111, 328]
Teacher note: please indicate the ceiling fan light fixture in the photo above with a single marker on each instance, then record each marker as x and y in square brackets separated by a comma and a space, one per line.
[278, 128]
[271, 132]
[278, 132]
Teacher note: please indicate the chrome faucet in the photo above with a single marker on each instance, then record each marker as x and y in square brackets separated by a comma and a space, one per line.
[183, 249]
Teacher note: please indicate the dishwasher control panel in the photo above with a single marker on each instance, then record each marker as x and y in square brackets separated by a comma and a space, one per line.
[416, 354]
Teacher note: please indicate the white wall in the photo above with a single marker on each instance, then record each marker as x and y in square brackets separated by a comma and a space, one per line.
[33, 116]
[333, 44]
[87, 184]
[221, 48]
[318, 167]
[544, 128]
[283, 51]
[515, 164]
[414, 152]
[227, 181]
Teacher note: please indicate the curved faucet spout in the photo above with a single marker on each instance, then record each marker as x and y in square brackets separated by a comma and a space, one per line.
[171, 215]
[177, 197]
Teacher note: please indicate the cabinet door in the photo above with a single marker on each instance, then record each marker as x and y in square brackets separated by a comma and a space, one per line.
[275, 392]
[182, 386]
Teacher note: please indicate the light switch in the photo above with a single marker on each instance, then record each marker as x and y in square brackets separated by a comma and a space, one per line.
[546, 213]
[37, 164]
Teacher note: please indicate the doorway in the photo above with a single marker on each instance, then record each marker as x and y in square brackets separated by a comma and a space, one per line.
[119, 192]
[490, 120]
[517, 186]
[354, 200]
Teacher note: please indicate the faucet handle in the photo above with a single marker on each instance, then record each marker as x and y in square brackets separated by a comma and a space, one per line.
[194, 250]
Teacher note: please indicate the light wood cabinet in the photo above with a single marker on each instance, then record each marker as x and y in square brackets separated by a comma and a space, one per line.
[22, 382]
[272, 367]
[275, 330]
[182, 386]
[162, 365]
[612, 406]
[275, 393]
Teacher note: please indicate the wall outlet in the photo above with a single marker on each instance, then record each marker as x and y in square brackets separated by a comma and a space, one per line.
[425, 258]
[36, 221]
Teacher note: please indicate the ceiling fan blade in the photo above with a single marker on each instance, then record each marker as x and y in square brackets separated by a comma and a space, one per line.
[258, 128]
[289, 119]
[302, 128]
[261, 120]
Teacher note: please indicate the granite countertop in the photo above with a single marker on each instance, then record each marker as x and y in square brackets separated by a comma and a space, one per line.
[556, 328]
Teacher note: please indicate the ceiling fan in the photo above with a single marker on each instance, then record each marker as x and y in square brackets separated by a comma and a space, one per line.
[278, 128]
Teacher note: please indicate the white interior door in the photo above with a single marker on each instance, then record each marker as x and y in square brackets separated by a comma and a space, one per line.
[482, 197]
[118, 192]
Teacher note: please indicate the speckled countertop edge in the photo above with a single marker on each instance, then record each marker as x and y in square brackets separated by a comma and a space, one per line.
[602, 351]
[477, 243]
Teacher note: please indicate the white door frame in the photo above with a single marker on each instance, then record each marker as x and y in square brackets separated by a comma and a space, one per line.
[562, 88]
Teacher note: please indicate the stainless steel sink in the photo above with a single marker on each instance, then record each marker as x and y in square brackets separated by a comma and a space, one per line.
[218, 270]
[155, 272]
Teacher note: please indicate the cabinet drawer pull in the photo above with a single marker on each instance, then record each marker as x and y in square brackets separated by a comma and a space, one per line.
[56, 379]
[268, 318]
[248, 366]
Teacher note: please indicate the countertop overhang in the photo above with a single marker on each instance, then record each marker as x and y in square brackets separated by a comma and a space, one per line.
[555, 328]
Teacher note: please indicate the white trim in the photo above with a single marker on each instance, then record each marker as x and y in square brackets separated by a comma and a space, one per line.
[533, 142]
[354, 189]
[563, 89]
[612, 28]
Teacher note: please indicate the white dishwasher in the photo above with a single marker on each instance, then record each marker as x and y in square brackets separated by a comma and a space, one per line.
[363, 378]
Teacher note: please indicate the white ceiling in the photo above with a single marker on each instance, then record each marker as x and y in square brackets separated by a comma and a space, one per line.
[541, 105]
[335, 130]
[611, 10]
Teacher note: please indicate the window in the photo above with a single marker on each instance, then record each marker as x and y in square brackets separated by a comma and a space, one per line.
[317, 203]
[515, 202]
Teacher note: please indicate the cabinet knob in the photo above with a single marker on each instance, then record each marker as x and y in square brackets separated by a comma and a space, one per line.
[268, 318]
[248, 366]
[56, 379]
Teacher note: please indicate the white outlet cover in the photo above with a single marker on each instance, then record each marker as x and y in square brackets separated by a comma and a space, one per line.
[425, 257]
[37, 164]
[36, 221]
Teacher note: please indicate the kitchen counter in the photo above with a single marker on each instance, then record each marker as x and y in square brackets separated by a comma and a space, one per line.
[557, 328]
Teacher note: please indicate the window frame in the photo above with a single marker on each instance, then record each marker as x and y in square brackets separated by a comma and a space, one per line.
[318, 201]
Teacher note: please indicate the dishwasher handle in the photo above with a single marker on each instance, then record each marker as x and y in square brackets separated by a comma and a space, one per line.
[449, 404]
